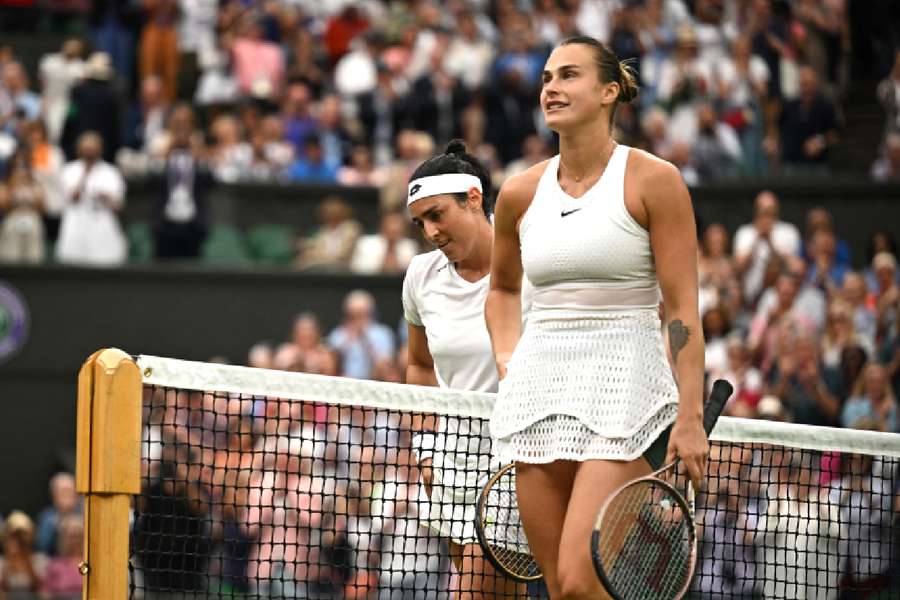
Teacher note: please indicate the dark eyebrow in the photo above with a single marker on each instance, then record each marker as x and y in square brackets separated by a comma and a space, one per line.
[561, 68]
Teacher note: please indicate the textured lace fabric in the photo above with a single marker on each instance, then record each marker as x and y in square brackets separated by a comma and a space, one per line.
[583, 386]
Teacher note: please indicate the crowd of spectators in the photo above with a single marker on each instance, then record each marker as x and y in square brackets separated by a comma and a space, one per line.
[356, 93]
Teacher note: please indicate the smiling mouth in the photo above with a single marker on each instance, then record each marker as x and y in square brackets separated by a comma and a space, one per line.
[555, 105]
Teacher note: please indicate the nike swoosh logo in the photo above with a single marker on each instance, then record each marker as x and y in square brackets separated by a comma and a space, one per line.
[566, 213]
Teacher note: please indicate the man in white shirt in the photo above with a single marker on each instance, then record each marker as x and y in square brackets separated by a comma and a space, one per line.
[765, 238]
[59, 72]
[94, 191]
[388, 251]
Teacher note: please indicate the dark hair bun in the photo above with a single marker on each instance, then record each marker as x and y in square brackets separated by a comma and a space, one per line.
[457, 147]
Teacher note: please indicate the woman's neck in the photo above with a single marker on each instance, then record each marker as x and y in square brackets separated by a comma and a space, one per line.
[478, 263]
[585, 152]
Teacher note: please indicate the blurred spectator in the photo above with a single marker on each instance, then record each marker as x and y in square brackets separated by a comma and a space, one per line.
[181, 211]
[856, 294]
[216, 86]
[355, 73]
[888, 94]
[840, 334]
[22, 229]
[388, 251]
[819, 219]
[306, 337]
[47, 163]
[746, 379]
[311, 165]
[765, 239]
[684, 80]
[808, 125]
[872, 398]
[361, 171]
[655, 127]
[716, 327]
[772, 409]
[335, 138]
[717, 149]
[887, 167]
[230, 156]
[743, 80]
[95, 191]
[95, 106]
[306, 61]
[259, 65]
[299, 122]
[65, 503]
[260, 356]
[158, 51]
[825, 272]
[146, 120]
[341, 29]
[63, 577]
[718, 277]
[412, 148]
[59, 72]
[534, 150]
[333, 243]
[776, 319]
[470, 54]
[798, 380]
[361, 341]
[196, 36]
[887, 294]
[437, 100]
[680, 155]
[380, 113]
[24, 103]
[882, 240]
[111, 23]
[840, 380]
[21, 571]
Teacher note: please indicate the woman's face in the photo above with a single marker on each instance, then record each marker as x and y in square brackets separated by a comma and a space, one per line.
[447, 224]
[716, 241]
[572, 94]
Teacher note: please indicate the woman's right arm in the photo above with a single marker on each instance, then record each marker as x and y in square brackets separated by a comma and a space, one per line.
[503, 308]
[420, 371]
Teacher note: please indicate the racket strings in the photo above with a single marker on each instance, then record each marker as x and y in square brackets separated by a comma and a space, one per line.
[502, 531]
[645, 544]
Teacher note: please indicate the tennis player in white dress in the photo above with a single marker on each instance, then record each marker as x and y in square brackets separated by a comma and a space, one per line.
[587, 398]
[443, 299]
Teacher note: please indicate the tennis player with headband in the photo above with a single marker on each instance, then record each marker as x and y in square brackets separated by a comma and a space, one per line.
[443, 299]
[587, 398]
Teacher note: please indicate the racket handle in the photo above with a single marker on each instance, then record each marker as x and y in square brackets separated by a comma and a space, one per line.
[720, 394]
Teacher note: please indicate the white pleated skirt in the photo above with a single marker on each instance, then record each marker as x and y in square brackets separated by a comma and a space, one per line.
[584, 385]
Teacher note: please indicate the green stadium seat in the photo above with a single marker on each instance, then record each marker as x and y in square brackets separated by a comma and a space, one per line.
[141, 247]
[271, 244]
[225, 247]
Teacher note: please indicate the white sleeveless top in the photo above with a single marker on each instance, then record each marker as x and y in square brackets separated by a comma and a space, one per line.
[589, 377]
[593, 239]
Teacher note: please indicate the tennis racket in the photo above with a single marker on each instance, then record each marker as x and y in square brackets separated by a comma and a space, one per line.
[499, 528]
[644, 545]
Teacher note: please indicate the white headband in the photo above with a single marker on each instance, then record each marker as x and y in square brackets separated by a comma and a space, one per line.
[450, 183]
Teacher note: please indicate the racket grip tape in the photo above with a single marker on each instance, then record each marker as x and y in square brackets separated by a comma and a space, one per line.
[721, 392]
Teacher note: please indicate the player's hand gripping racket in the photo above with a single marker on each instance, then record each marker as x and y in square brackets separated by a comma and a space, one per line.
[644, 545]
[499, 528]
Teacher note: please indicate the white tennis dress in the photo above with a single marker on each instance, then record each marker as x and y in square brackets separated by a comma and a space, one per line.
[451, 309]
[589, 377]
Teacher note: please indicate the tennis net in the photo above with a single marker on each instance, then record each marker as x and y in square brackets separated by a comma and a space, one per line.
[267, 484]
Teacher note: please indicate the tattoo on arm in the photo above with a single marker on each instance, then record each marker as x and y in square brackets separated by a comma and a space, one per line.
[678, 338]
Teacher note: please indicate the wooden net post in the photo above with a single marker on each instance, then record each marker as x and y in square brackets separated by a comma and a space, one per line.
[108, 455]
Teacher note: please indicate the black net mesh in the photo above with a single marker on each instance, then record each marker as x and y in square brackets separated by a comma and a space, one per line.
[261, 497]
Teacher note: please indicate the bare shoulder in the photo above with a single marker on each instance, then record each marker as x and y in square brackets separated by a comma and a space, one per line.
[651, 169]
[655, 180]
[517, 192]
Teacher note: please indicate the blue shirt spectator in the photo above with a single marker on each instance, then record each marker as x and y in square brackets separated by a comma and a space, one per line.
[65, 502]
[361, 341]
[312, 165]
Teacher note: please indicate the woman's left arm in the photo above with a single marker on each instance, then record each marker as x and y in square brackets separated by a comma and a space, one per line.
[673, 240]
